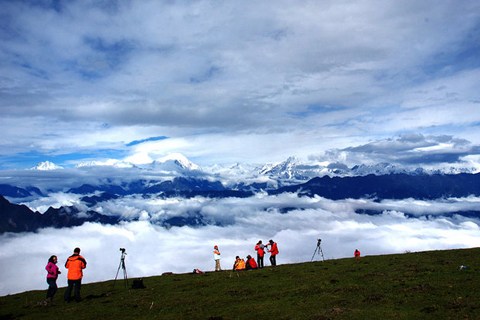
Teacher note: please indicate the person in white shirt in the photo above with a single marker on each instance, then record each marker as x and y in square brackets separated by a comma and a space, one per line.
[216, 256]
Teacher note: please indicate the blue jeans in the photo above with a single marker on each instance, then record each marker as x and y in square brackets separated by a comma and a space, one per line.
[273, 260]
[52, 287]
[260, 261]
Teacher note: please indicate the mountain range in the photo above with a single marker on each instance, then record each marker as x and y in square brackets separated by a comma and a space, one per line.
[181, 178]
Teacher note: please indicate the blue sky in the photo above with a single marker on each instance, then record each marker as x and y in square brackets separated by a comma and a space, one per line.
[224, 82]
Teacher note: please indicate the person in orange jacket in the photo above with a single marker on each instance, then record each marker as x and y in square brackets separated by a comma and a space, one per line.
[75, 265]
[273, 252]
[260, 248]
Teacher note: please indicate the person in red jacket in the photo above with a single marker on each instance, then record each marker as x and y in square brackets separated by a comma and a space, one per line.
[260, 248]
[273, 252]
[356, 254]
[75, 265]
[251, 264]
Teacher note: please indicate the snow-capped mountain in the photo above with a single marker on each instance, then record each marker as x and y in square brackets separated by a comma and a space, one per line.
[102, 189]
[107, 163]
[174, 162]
[290, 169]
[245, 176]
[46, 166]
[294, 171]
[379, 169]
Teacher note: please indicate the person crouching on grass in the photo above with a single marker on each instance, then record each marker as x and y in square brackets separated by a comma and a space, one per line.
[239, 264]
[250, 263]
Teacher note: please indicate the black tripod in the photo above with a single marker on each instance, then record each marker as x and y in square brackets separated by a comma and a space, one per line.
[318, 250]
[122, 265]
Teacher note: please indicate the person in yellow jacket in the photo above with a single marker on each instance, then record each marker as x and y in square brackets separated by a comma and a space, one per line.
[75, 265]
[239, 264]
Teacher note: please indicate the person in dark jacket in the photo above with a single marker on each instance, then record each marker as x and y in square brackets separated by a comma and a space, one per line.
[75, 265]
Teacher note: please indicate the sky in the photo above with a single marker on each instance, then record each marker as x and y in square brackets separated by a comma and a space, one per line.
[229, 81]
[236, 82]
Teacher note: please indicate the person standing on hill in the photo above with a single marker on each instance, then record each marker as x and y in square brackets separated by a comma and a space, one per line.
[52, 275]
[356, 254]
[260, 248]
[75, 265]
[273, 252]
[216, 256]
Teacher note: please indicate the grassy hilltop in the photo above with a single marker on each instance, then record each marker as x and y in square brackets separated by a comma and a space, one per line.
[424, 285]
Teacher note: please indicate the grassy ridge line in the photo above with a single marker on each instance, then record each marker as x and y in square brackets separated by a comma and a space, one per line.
[423, 285]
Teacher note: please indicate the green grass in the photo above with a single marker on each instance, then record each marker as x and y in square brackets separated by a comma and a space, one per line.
[424, 285]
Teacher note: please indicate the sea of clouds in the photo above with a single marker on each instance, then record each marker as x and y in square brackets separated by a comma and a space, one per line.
[235, 225]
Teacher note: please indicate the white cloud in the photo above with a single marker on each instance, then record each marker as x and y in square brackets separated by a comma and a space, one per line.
[323, 73]
[152, 250]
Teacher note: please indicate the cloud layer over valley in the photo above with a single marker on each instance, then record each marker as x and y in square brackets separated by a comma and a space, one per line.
[236, 225]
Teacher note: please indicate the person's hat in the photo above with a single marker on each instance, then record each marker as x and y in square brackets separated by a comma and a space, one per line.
[215, 246]
[76, 250]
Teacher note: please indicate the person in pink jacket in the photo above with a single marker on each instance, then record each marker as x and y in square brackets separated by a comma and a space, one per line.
[52, 275]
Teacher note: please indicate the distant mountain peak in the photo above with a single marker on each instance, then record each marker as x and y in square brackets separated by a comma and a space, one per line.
[178, 160]
[106, 163]
[283, 166]
[46, 166]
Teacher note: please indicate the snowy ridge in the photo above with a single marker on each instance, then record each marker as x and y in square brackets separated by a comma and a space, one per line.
[46, 166]
[107, 163]
[287, 172]
[175, 161]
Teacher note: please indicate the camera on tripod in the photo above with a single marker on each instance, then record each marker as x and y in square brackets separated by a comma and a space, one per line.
[122, 266]
[318, 249]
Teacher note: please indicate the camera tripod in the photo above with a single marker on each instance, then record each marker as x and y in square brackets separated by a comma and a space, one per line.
[318, 250]
[122, 265]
